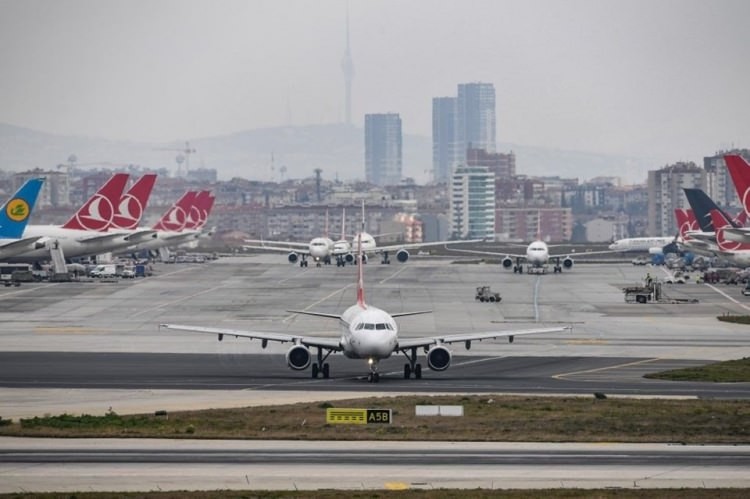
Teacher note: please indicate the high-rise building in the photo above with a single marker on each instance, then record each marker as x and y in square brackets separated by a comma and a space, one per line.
[383, 145]
[443, 137]
[475, 117]
[460, 123]
[665, 194]
[472, 203]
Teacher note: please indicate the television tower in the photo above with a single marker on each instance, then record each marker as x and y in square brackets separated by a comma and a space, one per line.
[347, 66]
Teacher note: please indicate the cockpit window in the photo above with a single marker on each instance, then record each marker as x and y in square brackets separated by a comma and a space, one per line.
[360, 326]
[369, 326]
[380, 326]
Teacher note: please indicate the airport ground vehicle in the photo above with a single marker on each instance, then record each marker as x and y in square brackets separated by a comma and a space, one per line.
[13, 274]
[641, 260]
[107, 270]
[746, 289]
[651, 292]
[485, 294]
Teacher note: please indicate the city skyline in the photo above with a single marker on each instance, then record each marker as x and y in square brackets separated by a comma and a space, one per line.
[657, 80]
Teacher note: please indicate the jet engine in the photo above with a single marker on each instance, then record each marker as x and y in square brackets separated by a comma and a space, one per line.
[402, 255]
[439, 358]
[298, 357]
[507, 262]
[349, 258]
[292, 257]
[567, 262]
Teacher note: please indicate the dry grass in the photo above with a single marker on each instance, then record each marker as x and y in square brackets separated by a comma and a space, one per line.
[506, 418]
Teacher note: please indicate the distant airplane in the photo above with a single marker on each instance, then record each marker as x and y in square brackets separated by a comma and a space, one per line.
[739, 169]
[319, 249]
[367, 333]
[651, 245]
[14, 215]
[737, 253]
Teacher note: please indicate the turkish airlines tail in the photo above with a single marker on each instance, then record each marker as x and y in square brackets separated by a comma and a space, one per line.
[739, 169]
[176, 217]
[686, 222]
[721, 222]
[197, 214]
[360, 274]
[132, 205]
[97, 213]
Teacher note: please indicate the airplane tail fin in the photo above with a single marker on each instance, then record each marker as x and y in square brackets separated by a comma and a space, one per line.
[97, 213]
[15, 213]
[176, 216]
[702, 206]
[197, 211]
[686, 222]
[343, 223]
[360, 273]
[721, 222]
[206, 205]
[739, 169]
[132, 206]
[538, 225]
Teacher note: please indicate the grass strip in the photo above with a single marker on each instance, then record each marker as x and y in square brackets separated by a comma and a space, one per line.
[486, 418]
[731, 371]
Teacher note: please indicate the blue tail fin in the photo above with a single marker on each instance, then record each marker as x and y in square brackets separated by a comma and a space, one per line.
[15, 213]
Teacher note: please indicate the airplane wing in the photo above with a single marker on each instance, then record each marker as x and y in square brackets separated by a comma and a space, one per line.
[309, 341]
[266, 242]
[404, 343]
[99, 237]
[12, 247]
[396, 247]
[280, 249]
[490, 253]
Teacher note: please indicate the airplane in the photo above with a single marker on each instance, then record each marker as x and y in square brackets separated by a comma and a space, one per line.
[182, 223]
[652, 245]
[367, 332]
[319, 249]
[370, 246]
[739, 170]
[14, 215]
[86, 232]
[737, 253]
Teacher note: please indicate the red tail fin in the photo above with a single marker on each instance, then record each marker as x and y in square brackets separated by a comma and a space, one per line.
[176, 216]
[132, 205]
[198, 213]
[721, 223]
[360, 273]
[97, 213]
[686, 222]
[343, 223]
[739, 169]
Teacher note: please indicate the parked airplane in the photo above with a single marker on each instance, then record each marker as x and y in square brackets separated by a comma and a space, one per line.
[652, 245]
[739, 170]
[14, 215]
[182, 223]
[737, 253]
[368, 333]
[85, 233]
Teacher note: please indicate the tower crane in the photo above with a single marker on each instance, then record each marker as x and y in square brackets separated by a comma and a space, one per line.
[182, 157]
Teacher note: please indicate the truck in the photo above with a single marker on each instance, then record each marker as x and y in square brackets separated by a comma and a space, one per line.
[485, 294]
[651, 292]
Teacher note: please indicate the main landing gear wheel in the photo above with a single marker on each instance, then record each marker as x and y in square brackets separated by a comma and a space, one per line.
[373, 377]
[325, 370]
[417, 371]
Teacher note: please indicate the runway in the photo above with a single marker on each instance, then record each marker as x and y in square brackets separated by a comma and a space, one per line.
[92, 347]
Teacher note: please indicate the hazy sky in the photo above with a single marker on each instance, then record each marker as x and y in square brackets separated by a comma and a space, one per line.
[667, 79]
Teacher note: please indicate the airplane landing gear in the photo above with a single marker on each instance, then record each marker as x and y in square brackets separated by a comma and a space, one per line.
[303, 261]
[321, 366]
[374, 375]
[412, 367]
[385, 259]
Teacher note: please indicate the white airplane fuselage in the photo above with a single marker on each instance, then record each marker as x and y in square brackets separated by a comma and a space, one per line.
[649, 244]
[368, 332]
[72, 242]
[320, 247]
[537, 254]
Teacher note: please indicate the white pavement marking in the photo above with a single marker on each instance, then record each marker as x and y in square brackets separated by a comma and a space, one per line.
[727, 296]
[393, 275]
[606, 368]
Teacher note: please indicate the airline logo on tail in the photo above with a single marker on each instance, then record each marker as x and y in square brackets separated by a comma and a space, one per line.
[686, 222]
[132, 205]
[98, 212]
[15, 213]
[739, 169]
[18, 210]
[721, 222]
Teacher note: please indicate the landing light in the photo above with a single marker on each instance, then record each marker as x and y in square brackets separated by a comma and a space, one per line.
[369, 361]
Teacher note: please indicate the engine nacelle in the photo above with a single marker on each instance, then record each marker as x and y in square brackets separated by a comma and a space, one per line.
[298, 357]
[349, 258]
[402, 255]
[507, 262]
[439, 358]
[567, 262]
[292, 257]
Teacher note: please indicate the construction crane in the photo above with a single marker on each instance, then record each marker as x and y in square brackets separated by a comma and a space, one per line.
[73, 164]
[182, 157]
